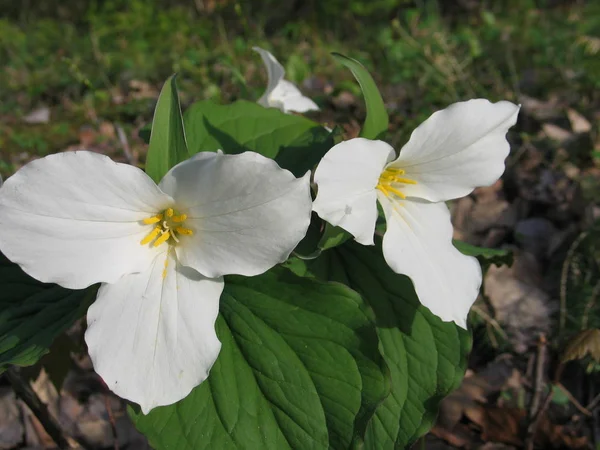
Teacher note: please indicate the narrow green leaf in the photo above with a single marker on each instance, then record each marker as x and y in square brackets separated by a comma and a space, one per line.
[33, 314]
[296, 143]
[376, 121]
[299, 368]
[427, 357]
[167, 139]
[486, 256]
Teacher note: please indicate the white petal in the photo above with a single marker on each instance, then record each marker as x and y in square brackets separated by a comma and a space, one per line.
[73, 218]
[151, 335]
[457, 149]
[347, 176]
[275, 72]
[288, 98]
[247, 214]
[418, 243]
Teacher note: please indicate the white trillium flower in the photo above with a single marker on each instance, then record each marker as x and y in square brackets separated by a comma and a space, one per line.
[281, 93]
[447, 156]
[78, 218]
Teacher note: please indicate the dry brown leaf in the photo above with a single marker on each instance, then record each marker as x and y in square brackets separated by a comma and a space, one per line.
[582, 344]
[520, 305]
[556, 133]
[579, 124]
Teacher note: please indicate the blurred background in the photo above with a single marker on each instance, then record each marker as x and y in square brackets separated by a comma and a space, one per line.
[86, 74]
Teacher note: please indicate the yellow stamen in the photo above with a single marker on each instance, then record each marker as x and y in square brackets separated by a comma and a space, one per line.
[396, 191]
[184, 231]
[151, 236]
[169, 224]
[404, 180]
[395, 169]
[384, 190]
[155, 219]
[390, 180]
[179, 219]
[162, 238]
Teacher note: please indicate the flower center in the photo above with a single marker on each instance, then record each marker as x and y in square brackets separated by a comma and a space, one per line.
[168, 225]
[390, 180]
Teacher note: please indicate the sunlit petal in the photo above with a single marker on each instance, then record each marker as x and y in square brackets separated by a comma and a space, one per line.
[151, 335]
[275, 72]
[346, 177]
[246, 213]
[288, 98]
[74, 218]
[458, 149]
[281, 93]
[418, 243]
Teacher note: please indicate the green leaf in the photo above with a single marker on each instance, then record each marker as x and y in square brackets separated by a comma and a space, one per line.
[333, 236]
[486, 256]
[167, 139]
[376, 121]
[295, 142]
[33, 314]
[427, 357]
[580, 284]
[299, 369]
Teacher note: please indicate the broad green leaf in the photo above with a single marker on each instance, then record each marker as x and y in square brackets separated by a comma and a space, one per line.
[295, 142]
[376, 120]
[486, 256]
[299, 369]
[427, 357]
[33, 314]
[167, 138]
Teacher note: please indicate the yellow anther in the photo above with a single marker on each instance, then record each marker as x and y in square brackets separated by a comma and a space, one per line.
[151, 236]
[395, 169]
[162, 238]
[169, 212]
[154, 219]
[184, 231]
[179, 219]
[389, 181]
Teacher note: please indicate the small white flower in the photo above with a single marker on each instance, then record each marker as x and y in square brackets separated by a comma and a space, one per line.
[447, 156]
[78, 218]
[281, 93]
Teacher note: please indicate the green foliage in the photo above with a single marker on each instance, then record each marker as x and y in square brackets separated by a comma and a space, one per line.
[580, 284]
[376, 120]
[299, 368]
[486, 256]
[295, 142]
[427, 357]
[167, 138]
[33, 314]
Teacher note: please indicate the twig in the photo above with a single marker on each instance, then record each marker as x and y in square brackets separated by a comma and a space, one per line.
[535, 411]
[489, 320]
[594, 403]
[585, 411]
[40, 410]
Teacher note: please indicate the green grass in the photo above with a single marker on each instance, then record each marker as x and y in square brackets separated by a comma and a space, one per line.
[78, 59]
